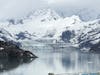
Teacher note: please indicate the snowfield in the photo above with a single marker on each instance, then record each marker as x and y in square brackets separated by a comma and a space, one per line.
[47, 24]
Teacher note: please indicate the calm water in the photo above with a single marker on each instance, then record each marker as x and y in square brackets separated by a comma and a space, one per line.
[61, 60]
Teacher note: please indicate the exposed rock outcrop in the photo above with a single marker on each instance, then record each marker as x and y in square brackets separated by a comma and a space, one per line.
[9, 50]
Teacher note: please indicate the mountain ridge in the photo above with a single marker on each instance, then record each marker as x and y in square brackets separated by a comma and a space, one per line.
[69, 29]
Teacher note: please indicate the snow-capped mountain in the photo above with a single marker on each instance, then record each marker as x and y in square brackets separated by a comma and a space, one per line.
[85, 14]
[43, 15]
[47, 24]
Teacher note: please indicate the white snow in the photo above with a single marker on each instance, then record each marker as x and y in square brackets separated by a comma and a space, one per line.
[47, 24]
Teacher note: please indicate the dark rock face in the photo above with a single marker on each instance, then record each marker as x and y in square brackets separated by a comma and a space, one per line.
[23, 35]
[9, 50]
[11, 56]
[95, 48]
[67, 35]
[86, 44]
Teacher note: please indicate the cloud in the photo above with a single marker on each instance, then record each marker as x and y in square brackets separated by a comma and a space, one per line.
[20, 8]
[54, 1]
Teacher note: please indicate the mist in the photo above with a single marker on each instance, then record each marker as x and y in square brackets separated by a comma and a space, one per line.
[20, 8]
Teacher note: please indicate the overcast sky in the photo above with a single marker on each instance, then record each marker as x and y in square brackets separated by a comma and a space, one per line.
[19, 8]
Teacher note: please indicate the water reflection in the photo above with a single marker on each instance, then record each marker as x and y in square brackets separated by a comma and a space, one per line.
[7, 64]
[67, 61]
[81, 62]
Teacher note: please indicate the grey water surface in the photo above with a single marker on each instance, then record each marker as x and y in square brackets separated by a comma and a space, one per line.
[58, 60]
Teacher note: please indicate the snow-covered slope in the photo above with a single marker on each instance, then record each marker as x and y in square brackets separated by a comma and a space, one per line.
[47, 24]
[43, 15]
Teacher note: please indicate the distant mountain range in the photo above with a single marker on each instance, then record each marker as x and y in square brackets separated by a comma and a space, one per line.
[47, 24]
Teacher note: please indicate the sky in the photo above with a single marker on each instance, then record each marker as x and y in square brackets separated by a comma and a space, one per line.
[20, 8]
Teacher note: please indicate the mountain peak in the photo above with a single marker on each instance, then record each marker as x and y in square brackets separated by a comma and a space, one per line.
[44, 15]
